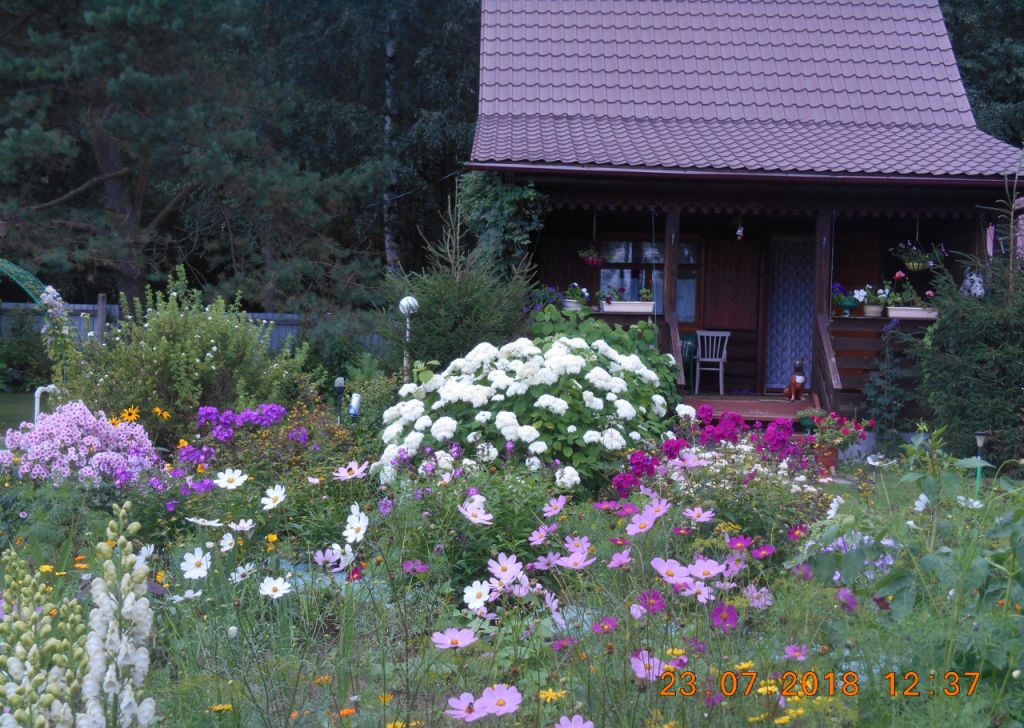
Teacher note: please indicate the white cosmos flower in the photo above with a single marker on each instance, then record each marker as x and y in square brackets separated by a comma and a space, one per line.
[212, 523]
[227, 542]
[145, 553]
[189, 594]
[273, 498]
[476, 594]
[196, 564]
[230, 479]
[243, 524]
[355, 525]
[969, 502]
[242, 573]
[274, 588]
[921, 503]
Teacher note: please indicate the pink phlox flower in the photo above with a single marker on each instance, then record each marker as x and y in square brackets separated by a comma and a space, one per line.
[620, 559]
[453, 637]
[698, 514]
[646, 666]
[554, 506]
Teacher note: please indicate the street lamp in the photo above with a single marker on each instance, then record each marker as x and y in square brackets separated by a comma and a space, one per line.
[339, 390]
[407, 307]
[979, 437]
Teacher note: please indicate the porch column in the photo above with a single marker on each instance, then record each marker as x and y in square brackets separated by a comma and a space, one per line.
[823, 261]
[668, 290]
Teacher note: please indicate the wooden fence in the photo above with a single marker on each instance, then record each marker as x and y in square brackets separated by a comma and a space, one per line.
[87, 320]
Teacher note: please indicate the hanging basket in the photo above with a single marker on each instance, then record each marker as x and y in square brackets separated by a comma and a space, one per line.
[594, 261]
[917, 266]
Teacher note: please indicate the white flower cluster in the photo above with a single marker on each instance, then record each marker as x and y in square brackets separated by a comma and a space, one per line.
[42, 650]
[119, 627]
[534, 394]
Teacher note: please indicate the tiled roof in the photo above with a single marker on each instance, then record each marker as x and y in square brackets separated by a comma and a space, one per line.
[818, 86]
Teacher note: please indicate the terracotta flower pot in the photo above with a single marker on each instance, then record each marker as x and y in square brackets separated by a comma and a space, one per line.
[827, 457]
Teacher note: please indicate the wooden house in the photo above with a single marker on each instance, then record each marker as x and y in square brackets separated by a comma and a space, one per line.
[739, 158]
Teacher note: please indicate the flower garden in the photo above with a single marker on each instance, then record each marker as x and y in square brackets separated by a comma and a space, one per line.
[538, 534]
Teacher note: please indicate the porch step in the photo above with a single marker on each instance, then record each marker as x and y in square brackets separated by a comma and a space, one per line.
[751, 408]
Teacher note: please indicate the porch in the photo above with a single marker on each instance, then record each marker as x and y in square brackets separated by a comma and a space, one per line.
[753, 408]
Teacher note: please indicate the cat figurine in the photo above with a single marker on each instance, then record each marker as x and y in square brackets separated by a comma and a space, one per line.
[794, 391]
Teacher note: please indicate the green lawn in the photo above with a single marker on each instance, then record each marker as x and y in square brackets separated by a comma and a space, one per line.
[14, 409]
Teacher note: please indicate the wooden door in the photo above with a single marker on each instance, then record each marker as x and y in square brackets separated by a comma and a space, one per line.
[731, 301]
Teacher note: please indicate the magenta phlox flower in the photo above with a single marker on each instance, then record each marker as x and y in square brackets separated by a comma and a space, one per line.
[624, 483]
[415, 566]
[705, 413]
[452, 638]
[606, 625]
[577, 721]
[672, 448]
[554, 506]
[642, 463]
[796, 652]
[762, 552]
[620, 559]
[646, 666]
[847, 599]
[739, 543]
[724, 616]
[698, 514]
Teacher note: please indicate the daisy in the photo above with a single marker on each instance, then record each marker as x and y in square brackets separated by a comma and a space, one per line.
[227, 542]
[242, 573]
[230, 479]
[244, 524]
[453, 637]
[274, 588]
[352, 470]
[273, 497]
[196, 564]
[355, 525]
[476, 594]
[212, 523]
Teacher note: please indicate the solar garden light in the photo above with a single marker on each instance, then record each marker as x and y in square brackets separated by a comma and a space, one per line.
[979, 437]
[339, 390]
[407, 307]
[353, 406]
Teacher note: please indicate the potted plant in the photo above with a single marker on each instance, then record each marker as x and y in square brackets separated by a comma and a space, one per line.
[917, 259]
[874, 299]
[543, 297]
[576, 297]
[904, 303]
[834, 433]
[844, 299]
[806, 416]
[592, 256]
[611, 302]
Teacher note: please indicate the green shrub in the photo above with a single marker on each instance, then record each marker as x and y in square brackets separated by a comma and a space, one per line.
[971, 361]
[334, 342]
[181, 354]
[23, 361]
[463, 299]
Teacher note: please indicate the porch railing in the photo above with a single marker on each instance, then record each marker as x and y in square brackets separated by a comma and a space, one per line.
[828, 383]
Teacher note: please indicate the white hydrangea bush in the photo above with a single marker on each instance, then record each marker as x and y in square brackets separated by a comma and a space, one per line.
[555, 398]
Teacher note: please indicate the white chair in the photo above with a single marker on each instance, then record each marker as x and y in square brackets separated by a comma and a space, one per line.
[711, 355]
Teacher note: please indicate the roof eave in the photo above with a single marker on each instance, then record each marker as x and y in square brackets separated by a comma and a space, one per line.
[727, 175]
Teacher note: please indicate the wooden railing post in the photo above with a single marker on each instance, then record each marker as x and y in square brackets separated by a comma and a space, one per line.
[668, 291]
[99, 325]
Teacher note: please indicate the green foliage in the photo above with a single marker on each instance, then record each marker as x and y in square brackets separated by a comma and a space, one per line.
[888, 392]
[335, 342]
[464, 297]
[181, 354]
[379, 391]
[502, 215]
[970, 359]
[23, 361]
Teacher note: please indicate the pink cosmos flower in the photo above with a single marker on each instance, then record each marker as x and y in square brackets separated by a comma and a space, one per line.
[669, 569]
[627, 509]
[724, 617]
[414, 566]
[698, 514]
[703, 568]
[798, 531]
[500, 699]
[703, 592]
[847, 599]
[473, 509]
[464, 708]
[560, 644]
[734, 565]
[637, 612]
[352, 470]
[739, 543]
[646, 666]
[763, 551]
[610, 505]
[682, 531]
[652, 601]
[452, 638]
[576, 560]
[577, 543]
[899, 276]
[546, 562]
[539, 536]
[606, 625]
[619, 559]
[505, 568]
[641, 522]
[658, 506]
[554, 506]
[577, 721]
[796, 652]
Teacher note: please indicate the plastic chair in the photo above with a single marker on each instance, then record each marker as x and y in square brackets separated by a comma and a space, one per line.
[711, 356]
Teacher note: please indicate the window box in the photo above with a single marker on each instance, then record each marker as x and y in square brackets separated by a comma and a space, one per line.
[636, 307]
[913, 312]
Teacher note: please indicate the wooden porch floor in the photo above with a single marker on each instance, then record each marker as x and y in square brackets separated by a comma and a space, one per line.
[752, 408]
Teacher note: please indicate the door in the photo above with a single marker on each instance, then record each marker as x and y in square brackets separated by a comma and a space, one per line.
[790, 308]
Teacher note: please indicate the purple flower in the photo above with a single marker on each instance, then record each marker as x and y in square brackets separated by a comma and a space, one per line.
[23, 514]
[560, 644]
[510, 445]
[798, 531]
[606, 625]
[763, 551]
[171, 505]
[223, 432]
[299, 434]
[738, 543]
[724, 616]
[624, 483]
[796, 652]
[384, 506]
[803, 571]
[759, 598]
[652, 601]
[847, 599]
[415, 566]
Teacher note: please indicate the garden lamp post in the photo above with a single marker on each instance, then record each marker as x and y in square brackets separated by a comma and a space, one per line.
[979, 437]
[339, 390]
[407, 307]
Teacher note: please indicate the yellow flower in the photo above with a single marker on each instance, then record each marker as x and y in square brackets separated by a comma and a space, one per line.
[45, 569]
[743, 665]
[675, 652]
[200, 468]
[81, 565]
[111, 543]
[767, 690]
[161, 577]
[53, 612]
[549, 696]
[182, 443]
[60, 573]
[323, 679]
[161, 412]
[346, 712]
[781, 720]
[19, 540]
[115, 421]
[758, 718]
[220, 708]
[386, 697]
[271, 538]
[130, 414]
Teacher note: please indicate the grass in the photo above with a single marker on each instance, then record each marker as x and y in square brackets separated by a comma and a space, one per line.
[15, 409]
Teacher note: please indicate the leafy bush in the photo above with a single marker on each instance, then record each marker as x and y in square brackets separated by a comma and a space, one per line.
[502, 215]
[888, 393]
[182, 354]
[971, 358]
[335, 342]
[464, 298]
[555, 398]
[23, 360]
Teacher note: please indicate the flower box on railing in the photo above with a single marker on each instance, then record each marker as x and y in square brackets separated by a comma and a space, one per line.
[913, 312]
[634, 307]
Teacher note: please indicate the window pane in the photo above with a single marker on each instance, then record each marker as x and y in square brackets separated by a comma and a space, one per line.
[617, 251]
[688, 254]
[686, 297]
[626, 282]
[652, 252]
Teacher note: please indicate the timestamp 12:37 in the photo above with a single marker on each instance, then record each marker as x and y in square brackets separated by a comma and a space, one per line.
[810, 683]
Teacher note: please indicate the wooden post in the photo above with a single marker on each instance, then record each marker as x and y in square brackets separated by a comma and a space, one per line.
[823, 261]
[668, 290]
[100, 323]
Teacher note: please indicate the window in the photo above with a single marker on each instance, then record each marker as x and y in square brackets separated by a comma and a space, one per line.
[631, 265]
